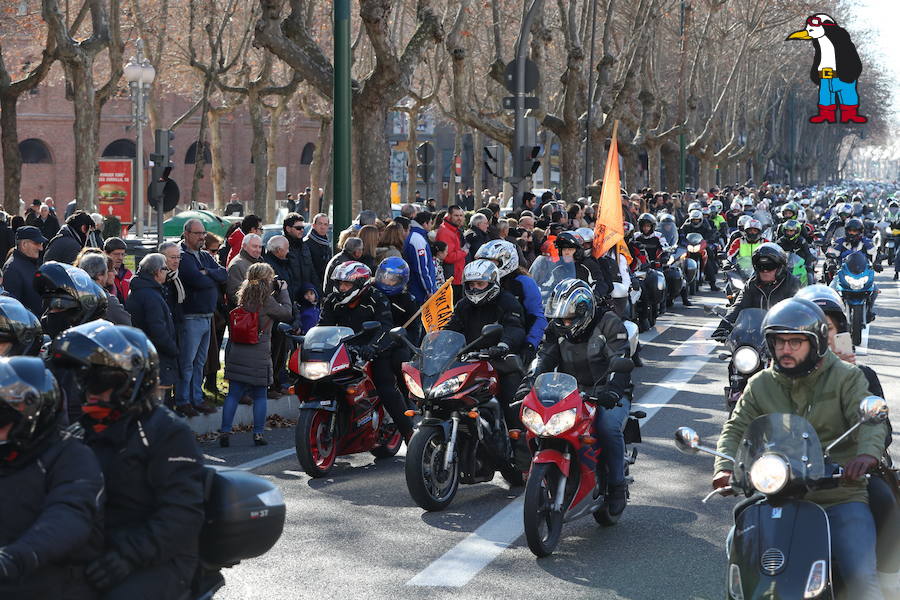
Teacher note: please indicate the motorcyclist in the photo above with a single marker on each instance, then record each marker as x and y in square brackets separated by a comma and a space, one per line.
[648, 239]
[151, 464]
[792, 240]
[738, 233]
[695, 223]
[669, 231]
[854, 241]
[598, 274]
[769, 284]
[354, 301]
[391, 279]
[517, 281]
[789, 212]
[741, 250]
[51, 491]
[20, 330]
[717, 220]
[581, 340]
[835, 227]
[807, 379]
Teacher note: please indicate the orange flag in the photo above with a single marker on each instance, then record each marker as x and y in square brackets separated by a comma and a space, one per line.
[609, 230]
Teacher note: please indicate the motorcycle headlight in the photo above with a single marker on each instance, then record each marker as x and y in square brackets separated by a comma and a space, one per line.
[856, 283]
[560, 422]
[413, 386]
[314, 369]
[533, 421]
[694, 249]
[448, 387]
[769, 473]
[745, 360]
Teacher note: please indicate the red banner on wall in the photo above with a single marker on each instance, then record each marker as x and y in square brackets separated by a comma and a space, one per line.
[114, 188]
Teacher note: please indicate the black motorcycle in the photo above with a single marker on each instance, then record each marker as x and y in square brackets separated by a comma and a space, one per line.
[781, 543]
[746, 353]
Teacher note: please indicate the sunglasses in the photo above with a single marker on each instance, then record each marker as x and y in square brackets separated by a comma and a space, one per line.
[766, 268]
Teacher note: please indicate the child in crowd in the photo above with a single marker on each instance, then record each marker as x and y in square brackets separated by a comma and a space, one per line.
[439, 253]
[308, 315]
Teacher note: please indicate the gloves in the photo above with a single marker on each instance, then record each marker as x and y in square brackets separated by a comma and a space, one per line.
[367, 352]
[878, 268]
[9, 569]
[523, 390]
[498, 351]
[607, 398]
[108, 570]
[720, 335]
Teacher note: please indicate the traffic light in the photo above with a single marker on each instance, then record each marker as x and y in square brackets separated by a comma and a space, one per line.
[425, 156]
[164, 147]
[529, 159]
[161, 187]
[493, 161]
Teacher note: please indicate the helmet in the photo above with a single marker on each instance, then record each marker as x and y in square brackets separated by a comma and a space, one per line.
[829, 301]
[695, 215]
[747, 203]
[666, 218]
[797, 315]
[70, 297]
[110, 357]
[628, 228]
[501, 253]
[587, 234]
[356, 273]
[857, 226]
[392, 275]
[844, 210]
[804, 202]
[570, 299]
[743, 220]
[893, 204]
[481, 270]
[570, 239]
[693, 206]
[648, 219]
[790, 206]
[19, 326]
[769, 256]
[792, 229]
[716, 206]
[748, 234]
[29, 398]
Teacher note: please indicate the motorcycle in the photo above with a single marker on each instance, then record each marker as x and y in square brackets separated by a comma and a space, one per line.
[735, 281]
[746, 353]
[855, 282]
[781, 547]
[797, 268]
[340, 412]
[653, 294]
[696, 251]
[891, 240]
[462, 437]
[674, 280]
[564, 482]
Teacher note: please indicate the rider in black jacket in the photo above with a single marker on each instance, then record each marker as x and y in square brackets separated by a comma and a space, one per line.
[792, 240]
[697, 224]
[770, 284]
[151, 464]
[51, 491]
[20, 330]
[354, 301]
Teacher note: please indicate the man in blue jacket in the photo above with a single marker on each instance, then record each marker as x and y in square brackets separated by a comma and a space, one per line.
[417, 253]
[202, 278]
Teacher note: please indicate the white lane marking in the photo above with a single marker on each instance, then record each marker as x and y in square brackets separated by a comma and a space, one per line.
[264, 460]
[465, 560]
[699, 343]
[897, 288]
[655, 331]
[460, 564]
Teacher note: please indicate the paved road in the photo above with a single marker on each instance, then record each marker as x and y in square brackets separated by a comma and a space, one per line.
[357, 534]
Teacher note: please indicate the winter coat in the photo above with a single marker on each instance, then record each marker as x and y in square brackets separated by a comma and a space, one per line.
[320, 252]
[115, 312]
[759, 295]
[828, 398]
[201, 290]
[123, 282]
[455, 261]
[234, 242]
[237, 274]
[476, 238]
[309, 313]
[417, 254]
[469, 319]
[154, 489]
[383, 252]
[252, 363]
[50, 519]
[49, 228]
[282, 271]
[64, 247]
[300, 263]
[18, 279]
[150, 313]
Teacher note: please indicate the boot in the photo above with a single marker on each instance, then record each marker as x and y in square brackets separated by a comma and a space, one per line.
[259, 440]
[827, 114]
[712, 285]
[224, 440]
[617, 498]
[684, 297]
[896, 275]
[636, 357]
[849, 115]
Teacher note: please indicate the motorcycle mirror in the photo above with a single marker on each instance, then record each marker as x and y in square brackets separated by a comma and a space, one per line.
[397, 334]
[687, 440]
[284, 328]
[621, 365]
[873, 410]
[370, 326]
[491, 333]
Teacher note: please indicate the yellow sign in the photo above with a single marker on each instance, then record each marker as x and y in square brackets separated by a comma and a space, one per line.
[395, 192]
[438, 309]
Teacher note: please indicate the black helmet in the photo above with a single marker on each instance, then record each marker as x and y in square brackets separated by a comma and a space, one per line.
[19, 326]
[829, 301]
[570, 299]
[69, 295]
[797, 315]
[770, 256]
[570, 239]
[29, 400]
[648, 219]
[857, 226]
[107, 356]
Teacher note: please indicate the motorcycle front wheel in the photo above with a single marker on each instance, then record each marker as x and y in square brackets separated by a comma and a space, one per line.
[857, 322]
[316, 446]
[543, 525]
[431, 486]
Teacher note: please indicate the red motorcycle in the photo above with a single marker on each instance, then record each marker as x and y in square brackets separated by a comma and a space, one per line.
[696, 249]
[462, 437]
[340, 412]
[564, 482]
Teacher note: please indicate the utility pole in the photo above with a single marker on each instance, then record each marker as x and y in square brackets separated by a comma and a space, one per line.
[341, 166]
[519, 147]
[682, 159]
[590, 106]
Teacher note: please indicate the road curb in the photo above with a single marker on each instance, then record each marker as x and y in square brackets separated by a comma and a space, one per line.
[286, 406]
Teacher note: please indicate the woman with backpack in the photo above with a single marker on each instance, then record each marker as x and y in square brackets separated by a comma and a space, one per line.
[248, 355]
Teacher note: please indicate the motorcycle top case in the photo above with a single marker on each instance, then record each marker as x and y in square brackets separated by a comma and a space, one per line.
[244, 516]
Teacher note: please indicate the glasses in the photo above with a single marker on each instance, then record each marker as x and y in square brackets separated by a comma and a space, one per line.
[766, 268]
[817, 22]
[792, 343]
[298, 227]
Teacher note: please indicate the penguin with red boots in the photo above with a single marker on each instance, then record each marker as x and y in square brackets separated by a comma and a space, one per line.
[835, 69]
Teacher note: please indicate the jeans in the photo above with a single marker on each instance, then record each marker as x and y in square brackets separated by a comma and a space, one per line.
[194, 336]
[236, 391]
[835, 91]
[386, 386]
[853, 549]
[609, 425]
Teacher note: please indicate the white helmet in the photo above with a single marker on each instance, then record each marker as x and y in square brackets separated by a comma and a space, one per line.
[481, 270]
[501, 253]
[587, 234]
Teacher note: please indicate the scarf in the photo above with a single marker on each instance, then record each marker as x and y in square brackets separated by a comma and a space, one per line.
[172, 277]
[312, 235]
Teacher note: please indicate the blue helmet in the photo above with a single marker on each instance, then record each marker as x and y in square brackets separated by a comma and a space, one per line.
[392, 275]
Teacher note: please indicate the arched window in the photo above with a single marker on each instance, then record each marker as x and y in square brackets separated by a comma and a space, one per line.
[306, 157]
[34, 151]
[122, 147]
[190, 157]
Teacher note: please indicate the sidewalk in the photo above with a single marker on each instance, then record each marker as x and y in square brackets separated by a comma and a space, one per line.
[286, 406]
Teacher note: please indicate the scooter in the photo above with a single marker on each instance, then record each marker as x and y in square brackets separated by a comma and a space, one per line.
[462, 437]
[781, 546]
[566, 480]
[855, 282]
[340, 412]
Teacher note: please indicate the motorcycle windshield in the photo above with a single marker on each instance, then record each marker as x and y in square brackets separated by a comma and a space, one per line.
[547, 272]
[670, 233]
[439, 349]
[694, 238]
[748, 329]
[551, 388]
[319, 339]
[796, 265]
[791, 437]
[857, 263]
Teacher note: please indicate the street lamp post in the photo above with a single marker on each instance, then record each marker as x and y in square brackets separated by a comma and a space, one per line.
[139, 74]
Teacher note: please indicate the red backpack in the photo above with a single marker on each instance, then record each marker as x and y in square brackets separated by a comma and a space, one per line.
[243, 326]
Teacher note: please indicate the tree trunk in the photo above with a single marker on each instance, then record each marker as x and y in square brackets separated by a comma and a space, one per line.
[707, 173]
[217, 172]
[85, 130]
[671, 158]
[654, 158]
[457, 151]
[412, 140]
[371, 160]
[569, 166]
[12, 158]
[318, 170]
[259, 152]
[272, 142]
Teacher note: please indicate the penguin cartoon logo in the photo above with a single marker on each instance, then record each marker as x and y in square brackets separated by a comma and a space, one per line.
[835, 69]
